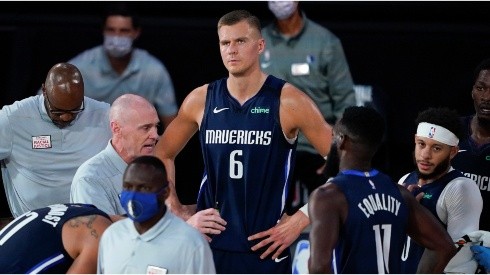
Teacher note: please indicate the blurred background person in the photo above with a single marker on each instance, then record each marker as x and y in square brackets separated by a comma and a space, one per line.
[310, 57]
[117, 67]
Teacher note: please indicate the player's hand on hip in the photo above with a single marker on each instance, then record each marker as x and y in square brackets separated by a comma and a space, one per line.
[279, 237]
[208, 221]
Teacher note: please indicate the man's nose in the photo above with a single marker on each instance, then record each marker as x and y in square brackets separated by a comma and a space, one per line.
[67, 117]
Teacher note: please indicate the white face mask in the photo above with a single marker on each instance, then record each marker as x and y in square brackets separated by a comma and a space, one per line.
[282, 9]
[117, 46]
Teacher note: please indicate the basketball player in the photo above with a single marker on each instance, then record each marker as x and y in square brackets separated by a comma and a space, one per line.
[248, 125]
[60, 238]
[450, 196]
[360, 218]
[473, 158]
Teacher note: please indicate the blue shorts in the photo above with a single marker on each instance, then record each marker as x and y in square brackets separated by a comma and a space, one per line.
[229, 262]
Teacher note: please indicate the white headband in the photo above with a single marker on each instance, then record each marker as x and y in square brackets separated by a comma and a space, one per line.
[437, 133]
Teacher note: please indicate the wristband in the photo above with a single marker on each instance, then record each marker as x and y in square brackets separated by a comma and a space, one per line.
[304, 209]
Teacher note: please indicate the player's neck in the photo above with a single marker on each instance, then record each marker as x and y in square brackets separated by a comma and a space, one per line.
[357, 165]
[480, 131]
[242, 88]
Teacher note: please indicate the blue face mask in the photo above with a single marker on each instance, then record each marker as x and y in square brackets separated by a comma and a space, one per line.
[139, 206]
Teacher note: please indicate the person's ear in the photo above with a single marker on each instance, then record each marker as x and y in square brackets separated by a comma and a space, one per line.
[454, 151]
[341, 139]
[261, 45]
[137, 33]
[166, 193]
[115, 128]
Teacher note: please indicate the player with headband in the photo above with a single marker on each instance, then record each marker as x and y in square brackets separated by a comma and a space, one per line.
[453, 199]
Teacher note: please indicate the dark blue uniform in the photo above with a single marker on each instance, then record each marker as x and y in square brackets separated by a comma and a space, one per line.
[248, 163]
[32, 243]
[371, 239]
[412, 252]
[474, 162]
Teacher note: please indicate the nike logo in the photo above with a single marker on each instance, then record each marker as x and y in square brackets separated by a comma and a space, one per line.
[219, 110]
[280, 259]
[462, 150]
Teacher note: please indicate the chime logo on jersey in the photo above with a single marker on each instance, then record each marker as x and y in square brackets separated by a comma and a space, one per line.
[41, 142]
[259, 110]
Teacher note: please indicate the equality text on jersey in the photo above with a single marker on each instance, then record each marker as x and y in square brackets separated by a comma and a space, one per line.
[377, 202]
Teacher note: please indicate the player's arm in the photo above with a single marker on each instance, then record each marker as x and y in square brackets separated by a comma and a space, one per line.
[464, 205]
[424, 229]
[81, 236]
[327, 210]
[174, 139]
[165, 120]
[299, 113]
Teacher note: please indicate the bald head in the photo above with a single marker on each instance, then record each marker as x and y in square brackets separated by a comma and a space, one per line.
[64, 78]
[123, 106]
[63, 93]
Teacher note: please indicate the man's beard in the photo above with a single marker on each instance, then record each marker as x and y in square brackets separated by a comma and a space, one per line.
[439, 170]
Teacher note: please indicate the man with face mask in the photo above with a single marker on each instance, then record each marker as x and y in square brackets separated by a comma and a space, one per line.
[451, 197]
[152, 239]
[311, 58]
[116, 67]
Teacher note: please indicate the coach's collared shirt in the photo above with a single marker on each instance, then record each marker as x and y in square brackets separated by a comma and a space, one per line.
[171, 246]
[99, 181]
[38, 159]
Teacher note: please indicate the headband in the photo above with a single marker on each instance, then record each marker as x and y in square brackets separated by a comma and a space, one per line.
[437, 133]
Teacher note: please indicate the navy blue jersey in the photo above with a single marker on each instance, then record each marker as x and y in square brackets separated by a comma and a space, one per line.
[412, 252]
[32, 243]
[474, 162]
[247, 162]
[371, 239]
